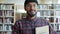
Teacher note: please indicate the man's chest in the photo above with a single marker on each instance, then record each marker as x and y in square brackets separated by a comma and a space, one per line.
[29, 26]
[32, 24]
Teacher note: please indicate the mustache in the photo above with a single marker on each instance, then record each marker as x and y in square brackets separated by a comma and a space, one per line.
[32, 10]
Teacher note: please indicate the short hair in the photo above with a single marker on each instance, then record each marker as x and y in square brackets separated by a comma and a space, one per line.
[27, 1]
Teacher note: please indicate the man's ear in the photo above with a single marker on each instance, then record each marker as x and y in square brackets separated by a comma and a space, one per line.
[25, 8]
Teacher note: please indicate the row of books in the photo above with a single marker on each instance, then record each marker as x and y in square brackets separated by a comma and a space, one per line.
[45, 13]
[6, 13]
[47, 6]
[48, 13]
[7, 27]
[51, 19]
[57, 26]
[5, 32]
[6, 20]
[6, 7]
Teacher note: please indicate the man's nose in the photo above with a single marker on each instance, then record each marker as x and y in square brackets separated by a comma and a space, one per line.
[32, 7]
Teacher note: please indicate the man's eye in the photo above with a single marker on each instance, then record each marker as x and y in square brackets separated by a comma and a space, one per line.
[35, 5]
[28, 5]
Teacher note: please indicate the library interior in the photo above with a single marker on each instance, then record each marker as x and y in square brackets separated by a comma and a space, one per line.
[13, 10]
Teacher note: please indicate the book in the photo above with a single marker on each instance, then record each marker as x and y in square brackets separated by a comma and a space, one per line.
[51, 6]
[51, 13]
[1, 20]
[1, 13]
[56, 19]
[7, 33]
[0, 27]
[40, 7]
[12, 13]
[58, 13]
[12, 7]
[59, 20]
[46, 13]
[44, 6]
[7, 27]
[42, 30]
[12, 20]
[0, 7]
[59, 27]
[10, 28]
[3, 7]
[1, 33]
[51, 19]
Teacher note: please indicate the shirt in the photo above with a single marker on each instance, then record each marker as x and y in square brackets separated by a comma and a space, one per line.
[27, 26]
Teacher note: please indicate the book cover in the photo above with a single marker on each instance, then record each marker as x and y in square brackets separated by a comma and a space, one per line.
[42, 30]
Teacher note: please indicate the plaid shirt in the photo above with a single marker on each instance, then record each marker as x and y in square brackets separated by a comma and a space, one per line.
[27, 26]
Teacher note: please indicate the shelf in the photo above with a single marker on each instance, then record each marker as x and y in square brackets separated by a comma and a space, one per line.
[48, 9]
[1, 16]
[57, 16]
[9, 16]
[1, 30]
[46, 16]
[57, 23]
[6, 9]
[51, 23]
[1, 23]
[6, 17]
[7, 30]
[45, 9]
[57, 9]
[9, 23]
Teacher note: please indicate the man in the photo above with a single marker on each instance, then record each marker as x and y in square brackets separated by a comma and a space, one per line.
[27, 25]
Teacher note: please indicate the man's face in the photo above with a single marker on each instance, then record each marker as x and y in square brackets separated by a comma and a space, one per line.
[31, 9]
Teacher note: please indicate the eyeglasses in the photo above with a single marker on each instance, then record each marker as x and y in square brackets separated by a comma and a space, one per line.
[28, 5]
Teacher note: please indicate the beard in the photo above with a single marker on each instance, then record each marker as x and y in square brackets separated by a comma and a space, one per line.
[32, 13]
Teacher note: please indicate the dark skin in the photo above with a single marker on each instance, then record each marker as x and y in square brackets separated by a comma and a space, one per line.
[31, 9]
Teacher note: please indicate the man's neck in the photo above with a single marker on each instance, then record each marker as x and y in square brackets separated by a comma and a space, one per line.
[31, 18]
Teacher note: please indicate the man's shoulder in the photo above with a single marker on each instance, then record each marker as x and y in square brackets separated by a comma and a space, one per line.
[41, 19]
[21, 20]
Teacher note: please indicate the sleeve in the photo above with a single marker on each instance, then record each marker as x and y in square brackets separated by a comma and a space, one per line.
[15, 28]
[51, 30]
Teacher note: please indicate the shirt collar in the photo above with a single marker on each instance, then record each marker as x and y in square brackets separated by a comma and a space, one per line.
[27, 18]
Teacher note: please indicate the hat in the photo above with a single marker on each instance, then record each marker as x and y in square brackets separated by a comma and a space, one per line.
[27, 1]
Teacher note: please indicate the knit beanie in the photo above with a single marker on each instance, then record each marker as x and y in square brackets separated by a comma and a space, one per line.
[27, 1]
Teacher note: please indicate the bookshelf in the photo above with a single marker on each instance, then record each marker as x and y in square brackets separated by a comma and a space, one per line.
[7, 16]
[50, 12]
